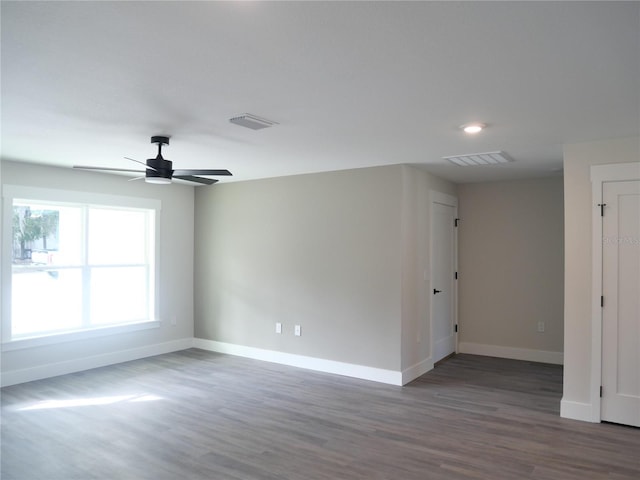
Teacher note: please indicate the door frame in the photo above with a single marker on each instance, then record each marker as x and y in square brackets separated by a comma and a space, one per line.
[451, 201]
[600, 174]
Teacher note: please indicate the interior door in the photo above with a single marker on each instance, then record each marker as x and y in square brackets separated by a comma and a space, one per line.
[621, 303]
[443, 262]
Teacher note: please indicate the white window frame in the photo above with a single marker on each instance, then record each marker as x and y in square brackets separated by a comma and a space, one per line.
[45, 195]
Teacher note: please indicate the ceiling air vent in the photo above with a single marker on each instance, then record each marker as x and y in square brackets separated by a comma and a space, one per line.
[478, 159]
[252, 122]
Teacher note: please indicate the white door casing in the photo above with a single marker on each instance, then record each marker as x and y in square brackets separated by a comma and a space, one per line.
[443, 290]
[615, 332]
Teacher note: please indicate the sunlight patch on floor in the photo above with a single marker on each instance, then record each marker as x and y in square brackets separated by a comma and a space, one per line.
[87, 402]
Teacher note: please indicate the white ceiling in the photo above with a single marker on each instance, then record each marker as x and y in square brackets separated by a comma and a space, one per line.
[351, 84]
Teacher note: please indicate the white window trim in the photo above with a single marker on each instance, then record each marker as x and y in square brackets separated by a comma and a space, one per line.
[57, 338]
[9, 193]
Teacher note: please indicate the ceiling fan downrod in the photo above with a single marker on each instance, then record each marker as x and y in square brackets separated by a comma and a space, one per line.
[160, 140]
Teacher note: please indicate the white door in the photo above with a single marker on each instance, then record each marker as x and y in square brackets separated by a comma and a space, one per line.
[443, 264]
[621, 303]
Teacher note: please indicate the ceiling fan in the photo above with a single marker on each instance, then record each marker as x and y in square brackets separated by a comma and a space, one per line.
[159, 170]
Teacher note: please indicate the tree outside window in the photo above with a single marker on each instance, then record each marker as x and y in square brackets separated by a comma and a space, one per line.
[32, 229]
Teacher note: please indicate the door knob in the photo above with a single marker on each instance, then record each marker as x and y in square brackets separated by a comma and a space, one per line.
[436, 291]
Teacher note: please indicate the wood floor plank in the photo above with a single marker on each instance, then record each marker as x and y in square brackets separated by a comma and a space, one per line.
[200, 415]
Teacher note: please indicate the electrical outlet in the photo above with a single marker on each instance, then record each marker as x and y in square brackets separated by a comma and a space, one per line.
[540, 327]
[296, 331]
[278, 327]
[174, 320]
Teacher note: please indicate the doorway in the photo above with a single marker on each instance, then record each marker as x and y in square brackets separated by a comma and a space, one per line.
[617, 285]
[443, 293]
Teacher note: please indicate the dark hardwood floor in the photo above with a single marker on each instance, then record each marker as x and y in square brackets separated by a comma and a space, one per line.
[200, 415]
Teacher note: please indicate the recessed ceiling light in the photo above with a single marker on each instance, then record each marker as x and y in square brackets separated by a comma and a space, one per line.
[473, 127]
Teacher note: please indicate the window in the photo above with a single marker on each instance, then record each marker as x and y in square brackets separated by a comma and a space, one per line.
[78, 266]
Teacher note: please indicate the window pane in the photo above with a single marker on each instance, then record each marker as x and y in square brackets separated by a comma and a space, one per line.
[46, 234]
[43, 301]
[118, 295]
[117, 237]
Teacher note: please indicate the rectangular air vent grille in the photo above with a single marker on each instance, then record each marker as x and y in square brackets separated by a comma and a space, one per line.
[252, 121]
[478, 159]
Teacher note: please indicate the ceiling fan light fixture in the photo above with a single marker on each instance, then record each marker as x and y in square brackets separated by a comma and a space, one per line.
[473, 128]
[252, 121]
[157, 180]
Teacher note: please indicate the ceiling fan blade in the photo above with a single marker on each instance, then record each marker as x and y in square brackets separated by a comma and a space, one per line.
[82, 167]
[141, 163]
[215, 173]
[191, 178]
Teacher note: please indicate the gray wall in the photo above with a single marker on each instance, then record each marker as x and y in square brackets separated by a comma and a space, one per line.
[578, 160]
[329, 251]
[176, 267]
[511, 264]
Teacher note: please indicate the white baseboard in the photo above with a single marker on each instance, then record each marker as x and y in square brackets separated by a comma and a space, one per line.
[14, 377]
[414, 371]
[577, 411]
[390, 377]
[541, 356]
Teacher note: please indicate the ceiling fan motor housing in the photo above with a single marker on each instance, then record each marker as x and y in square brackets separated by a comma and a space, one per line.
[159, 167]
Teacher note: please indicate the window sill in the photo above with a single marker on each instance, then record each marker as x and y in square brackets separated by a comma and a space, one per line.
[58, 338]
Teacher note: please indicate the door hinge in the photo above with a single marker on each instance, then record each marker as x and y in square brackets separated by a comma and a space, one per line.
[602, 205]
[455, 275]
[602, 300]
[456, 328]
[600, 391]
[456, 221]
